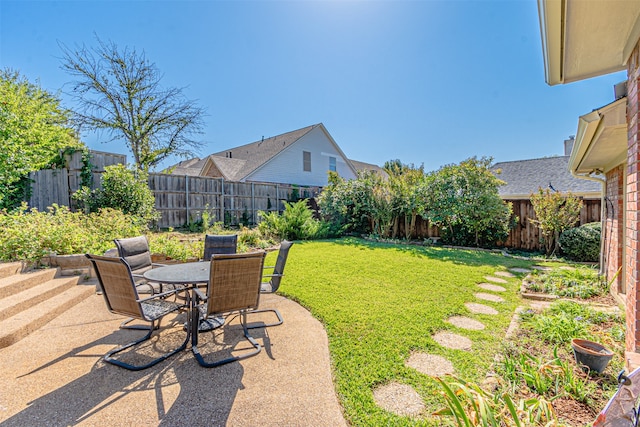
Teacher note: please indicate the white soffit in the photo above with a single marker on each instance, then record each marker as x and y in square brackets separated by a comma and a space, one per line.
[583, 39]
[601, 140]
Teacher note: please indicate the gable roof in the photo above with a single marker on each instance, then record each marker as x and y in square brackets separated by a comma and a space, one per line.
[256, 153]
[236, 164]
[368, 167]
[524, 177]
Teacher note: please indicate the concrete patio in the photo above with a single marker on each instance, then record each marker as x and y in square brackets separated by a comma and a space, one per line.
[55, 377]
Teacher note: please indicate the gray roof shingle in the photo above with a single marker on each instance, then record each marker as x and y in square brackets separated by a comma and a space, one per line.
[524, 177]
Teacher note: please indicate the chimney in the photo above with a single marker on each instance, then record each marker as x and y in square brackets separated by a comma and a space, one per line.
[568, 145]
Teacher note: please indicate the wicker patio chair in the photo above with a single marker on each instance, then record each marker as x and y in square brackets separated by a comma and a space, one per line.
[234, 286]
[274, 282]
[121, 296]
[135, 250]
[219, 244]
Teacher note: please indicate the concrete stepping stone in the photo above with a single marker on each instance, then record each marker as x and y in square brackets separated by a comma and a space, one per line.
[541, 268]
[480, 308]
[504, 274]
[453, 341]
[466, 323]
[430, 364]
[489, 297]
[401, 399]
[490, 287]
[495, 279]
[520, 270]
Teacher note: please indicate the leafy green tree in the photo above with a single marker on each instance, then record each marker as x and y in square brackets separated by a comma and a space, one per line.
[123, 189]
[555, 213]
[119, 92]
[463, 200]
[361, 205]
[406, 183]
[34, 128]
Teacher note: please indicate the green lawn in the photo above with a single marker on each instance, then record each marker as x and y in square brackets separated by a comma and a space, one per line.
[380, 302]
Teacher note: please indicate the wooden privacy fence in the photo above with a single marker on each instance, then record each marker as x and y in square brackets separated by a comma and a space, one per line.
[51, 186]
[183, 199]
[525, 235]
[180, 199]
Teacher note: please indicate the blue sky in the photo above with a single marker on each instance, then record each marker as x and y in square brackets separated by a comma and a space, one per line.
[428, 82]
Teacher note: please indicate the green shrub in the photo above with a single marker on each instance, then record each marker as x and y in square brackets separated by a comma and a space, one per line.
[123, 189]
[295, 223]
[30, 235]
[582, 243]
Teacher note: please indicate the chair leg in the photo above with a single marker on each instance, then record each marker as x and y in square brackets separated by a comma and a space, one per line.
[267, 325]
[109, 359]
[203, 363]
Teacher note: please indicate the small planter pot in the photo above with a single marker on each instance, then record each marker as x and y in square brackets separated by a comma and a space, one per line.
[594, 356]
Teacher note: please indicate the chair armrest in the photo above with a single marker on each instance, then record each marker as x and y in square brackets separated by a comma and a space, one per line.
[199, 294]
[139, 285]
[161, 295]
[269, 266]
[273, 275]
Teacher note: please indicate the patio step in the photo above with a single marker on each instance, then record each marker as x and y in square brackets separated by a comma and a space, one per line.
[20, 282]
[16, 303]
[30, 300]
[22, 324]
[8, 269]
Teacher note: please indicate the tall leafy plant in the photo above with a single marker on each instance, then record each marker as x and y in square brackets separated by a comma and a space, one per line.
[555, 213]
[34, 128]
[464, 201]
[123, 189]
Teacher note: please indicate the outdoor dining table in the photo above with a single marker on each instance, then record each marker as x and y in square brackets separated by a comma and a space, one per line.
[189, 275]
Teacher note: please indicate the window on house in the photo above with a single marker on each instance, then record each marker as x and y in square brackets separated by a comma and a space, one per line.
[306, 161]
[332, 164]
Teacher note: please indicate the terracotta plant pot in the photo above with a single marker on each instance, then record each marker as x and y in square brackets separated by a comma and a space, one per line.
[594, 356]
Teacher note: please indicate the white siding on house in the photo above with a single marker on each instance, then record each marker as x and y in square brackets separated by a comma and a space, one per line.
[287, 167]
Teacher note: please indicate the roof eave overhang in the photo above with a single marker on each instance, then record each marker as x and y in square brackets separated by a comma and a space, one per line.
[581, 39]
[601, 140]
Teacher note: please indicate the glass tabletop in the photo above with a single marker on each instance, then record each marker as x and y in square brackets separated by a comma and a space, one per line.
[186, 273]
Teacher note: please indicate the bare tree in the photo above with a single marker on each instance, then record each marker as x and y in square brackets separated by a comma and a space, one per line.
[119, 92]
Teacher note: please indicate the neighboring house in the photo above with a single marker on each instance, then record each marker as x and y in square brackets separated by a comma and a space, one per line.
[581, 40]
[301, 157]
[525, 177]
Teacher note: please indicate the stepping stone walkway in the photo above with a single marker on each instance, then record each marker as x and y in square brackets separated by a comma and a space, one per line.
[504, 274]
[520, 270]
[401, 399]
[495, 279]
[490, 287]
[489, 297]
[480, 308]
[466, 323]
[541, 268]
[430, 364]
[453, 341]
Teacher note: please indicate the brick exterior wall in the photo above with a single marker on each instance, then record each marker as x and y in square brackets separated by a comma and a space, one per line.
[633, 206]
[613, 230]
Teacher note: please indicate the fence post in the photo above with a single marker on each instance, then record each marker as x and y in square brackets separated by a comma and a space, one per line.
[186, 192]
[253, 204]
[222, 200]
